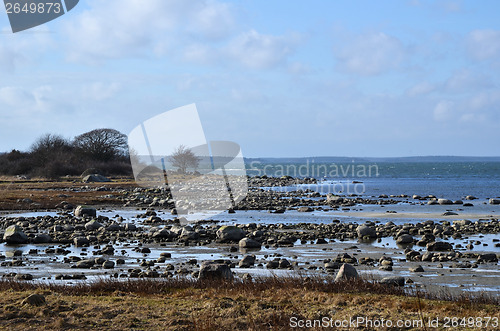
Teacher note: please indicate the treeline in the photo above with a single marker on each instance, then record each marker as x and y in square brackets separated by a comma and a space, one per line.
[51, 156]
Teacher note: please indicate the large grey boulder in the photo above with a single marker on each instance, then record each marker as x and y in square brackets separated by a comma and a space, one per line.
[95, 178]
[249, 243]
[346, 271]
[14, 235]
[366, 231]
[212, 270]
[81, 211]
[230, 233]
[445, 202]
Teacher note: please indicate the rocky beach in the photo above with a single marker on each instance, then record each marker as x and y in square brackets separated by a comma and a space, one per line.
[127, 232]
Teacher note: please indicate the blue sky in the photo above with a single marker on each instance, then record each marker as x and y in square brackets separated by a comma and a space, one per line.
[281, 78]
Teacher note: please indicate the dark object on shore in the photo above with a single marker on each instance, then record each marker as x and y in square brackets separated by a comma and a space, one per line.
[212, 270]
[393, 280]
[34, 300]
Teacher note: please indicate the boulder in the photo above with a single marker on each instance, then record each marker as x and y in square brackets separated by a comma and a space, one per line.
[249, 243]
[95, 178]
[404, 239]
[444, 202]
[108, 265]
[42, 238]
[334, 199]
[81, 211]
[418, 268]
[393, 280]
[247, 261]
[346, 271]
[14, 235]
[439, 246]
[93, 225]
[494, 201]
[366, 231]
[85, 264]
[305, 209]
[230, 233]
[212, 270]
[488, 257]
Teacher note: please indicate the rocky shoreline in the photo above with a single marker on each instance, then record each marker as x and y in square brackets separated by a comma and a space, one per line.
[82, 242]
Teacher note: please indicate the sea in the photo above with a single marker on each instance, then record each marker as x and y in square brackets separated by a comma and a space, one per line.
[450, 180]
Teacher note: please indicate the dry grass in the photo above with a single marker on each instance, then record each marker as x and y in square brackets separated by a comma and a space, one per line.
[182, 304]
[46, 194]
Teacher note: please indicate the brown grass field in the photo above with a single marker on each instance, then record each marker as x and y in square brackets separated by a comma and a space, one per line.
[270, 304]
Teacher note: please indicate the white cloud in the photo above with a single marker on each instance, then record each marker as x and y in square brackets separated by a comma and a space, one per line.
[260, 51]
[443, 110]
[16, 96]
[466, 81]
[483, 44]
[137, 27]
[371, 54]
[421, 89]
[23, 49]
[100, 91]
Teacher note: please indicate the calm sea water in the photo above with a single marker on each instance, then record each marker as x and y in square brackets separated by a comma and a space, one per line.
[452, 180]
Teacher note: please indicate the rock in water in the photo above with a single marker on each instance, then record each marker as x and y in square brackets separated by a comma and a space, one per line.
[249, 243]
[366, 231]
[81, 211]
[93, 225]
[212, 270]
[230, 233]
[494, 201]
[15, 236]
[346, 271]
[439, 246]
[404, 239]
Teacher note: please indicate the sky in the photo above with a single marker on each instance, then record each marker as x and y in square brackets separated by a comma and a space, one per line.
[280, 78]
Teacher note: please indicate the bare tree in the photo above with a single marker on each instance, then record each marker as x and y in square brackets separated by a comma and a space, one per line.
[183, 158]
[102, 144]
[49, 147]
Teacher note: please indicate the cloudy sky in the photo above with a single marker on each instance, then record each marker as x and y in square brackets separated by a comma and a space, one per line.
[281, 77]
